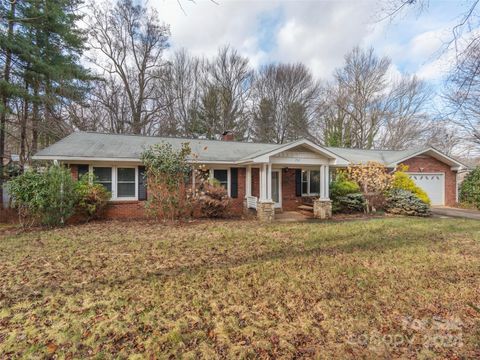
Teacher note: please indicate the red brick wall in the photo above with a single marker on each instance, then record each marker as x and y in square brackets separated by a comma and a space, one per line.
[425, 163]
[74, 170]
[124, 210]
[136, 209]
[289, 200]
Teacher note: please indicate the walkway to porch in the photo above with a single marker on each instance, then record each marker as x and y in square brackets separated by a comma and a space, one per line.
[293, 216]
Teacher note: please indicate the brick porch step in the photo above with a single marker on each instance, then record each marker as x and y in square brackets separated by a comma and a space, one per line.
[306, 208]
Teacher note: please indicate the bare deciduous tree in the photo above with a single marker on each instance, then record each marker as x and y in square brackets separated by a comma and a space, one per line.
[284, 102]
[364, 81]
[226, 90]
[363, 108]
[181, 86]
[128, 42]
[406, 118]
[463, 93]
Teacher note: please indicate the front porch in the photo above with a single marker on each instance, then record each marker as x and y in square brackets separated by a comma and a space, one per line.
[272, 188]
[295, 177]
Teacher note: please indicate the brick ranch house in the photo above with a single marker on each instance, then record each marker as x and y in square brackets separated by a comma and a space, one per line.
[263, 177]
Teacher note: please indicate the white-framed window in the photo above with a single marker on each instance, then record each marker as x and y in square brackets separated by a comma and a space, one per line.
[310, 182]
[126, 182]
[120, 181]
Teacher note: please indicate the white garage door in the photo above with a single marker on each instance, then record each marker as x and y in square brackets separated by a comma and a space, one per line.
[433, 184]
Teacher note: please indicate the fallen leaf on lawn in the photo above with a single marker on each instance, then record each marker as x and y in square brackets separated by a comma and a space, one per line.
[52, 347]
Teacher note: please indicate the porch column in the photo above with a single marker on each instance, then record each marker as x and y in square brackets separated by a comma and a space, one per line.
[248, 180]
[265, 206]
[322, 182]
[269, 182]
[322, 207]
[327, 182]
[263, 182]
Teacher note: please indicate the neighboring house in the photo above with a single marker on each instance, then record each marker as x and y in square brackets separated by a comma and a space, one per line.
[264, 177]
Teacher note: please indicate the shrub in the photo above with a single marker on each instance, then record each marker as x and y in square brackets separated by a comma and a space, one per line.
[404, 202]
[167, 173]
[401, 180]
[345, 195]
[91, 197]
[47, 197]
[470, 188]
[213, 200]
[349, 203]
[341, 186]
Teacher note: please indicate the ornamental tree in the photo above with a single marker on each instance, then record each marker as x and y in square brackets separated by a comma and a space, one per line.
[374, 180]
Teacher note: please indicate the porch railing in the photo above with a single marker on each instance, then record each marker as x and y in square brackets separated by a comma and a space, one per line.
[252, 202]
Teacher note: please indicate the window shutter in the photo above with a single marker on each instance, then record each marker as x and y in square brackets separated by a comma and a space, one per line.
[234, 182]
[298, 182]
[82, 170]
[142, 183]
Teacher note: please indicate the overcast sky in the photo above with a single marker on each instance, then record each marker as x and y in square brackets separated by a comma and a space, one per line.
[315, 32]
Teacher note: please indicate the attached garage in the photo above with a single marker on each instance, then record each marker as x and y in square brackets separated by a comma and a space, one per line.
[433, 184]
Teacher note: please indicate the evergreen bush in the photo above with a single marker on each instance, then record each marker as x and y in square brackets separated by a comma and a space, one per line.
[470, 188]
[404, 202]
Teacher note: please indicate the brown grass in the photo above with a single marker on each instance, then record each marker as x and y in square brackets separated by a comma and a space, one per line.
[361, 289]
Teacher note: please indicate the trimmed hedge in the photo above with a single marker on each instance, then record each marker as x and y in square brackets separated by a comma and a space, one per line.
[404, 202]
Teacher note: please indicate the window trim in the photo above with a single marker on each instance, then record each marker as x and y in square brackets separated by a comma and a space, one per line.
[229, 178]
[308, 193]
[115, 168]
[135, 183]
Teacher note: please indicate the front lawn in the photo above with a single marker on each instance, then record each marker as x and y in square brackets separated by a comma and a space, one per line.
[379, 288]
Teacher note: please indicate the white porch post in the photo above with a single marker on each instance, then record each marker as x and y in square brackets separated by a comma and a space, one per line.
[263, 182]
[327, 182]
[269, 182]
[265, 206]
[322, 182]
[248, 179]
[322, 207]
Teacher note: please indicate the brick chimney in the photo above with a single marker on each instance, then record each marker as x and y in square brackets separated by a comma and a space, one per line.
[228, 135]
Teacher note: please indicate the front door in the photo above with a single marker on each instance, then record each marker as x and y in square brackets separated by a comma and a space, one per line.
[276, 188]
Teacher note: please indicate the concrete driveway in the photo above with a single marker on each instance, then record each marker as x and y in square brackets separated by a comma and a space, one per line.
[455, 212]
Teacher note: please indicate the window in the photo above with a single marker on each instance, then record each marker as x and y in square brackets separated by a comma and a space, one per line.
[125, 182]
[304, 182]
[310, 182]
[222, 177]
[103, 175]
[315, 182]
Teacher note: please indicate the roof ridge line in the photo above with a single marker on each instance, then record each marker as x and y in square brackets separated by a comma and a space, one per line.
[174, 137]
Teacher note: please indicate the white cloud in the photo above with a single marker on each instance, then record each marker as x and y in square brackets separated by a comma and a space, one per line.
[317, 33]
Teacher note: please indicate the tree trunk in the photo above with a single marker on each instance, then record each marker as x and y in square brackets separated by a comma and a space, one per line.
[23, 127]
[35, 118]
[5, 97]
